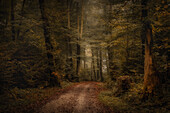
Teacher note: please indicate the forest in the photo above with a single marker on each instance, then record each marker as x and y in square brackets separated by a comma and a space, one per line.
[84, 56]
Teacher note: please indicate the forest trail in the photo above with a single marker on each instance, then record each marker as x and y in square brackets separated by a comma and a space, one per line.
[82, 98]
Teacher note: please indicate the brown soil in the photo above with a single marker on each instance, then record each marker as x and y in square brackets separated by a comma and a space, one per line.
[81, 98]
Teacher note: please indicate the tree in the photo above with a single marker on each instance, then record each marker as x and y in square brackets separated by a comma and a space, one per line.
[20, 23]
[13, 20]
[68, 39]
[93, 66]
[49, 47]
[151, 79]
[101, 65]
[78, 43]
[80, 36]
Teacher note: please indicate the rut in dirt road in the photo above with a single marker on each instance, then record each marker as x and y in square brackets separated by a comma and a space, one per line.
[81, 99]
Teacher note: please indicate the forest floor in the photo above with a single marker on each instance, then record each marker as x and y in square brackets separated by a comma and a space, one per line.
[80, 98]
[83, 97]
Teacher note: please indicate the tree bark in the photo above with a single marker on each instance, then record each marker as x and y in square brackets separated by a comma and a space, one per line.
[85, 58]
[80, 35]
[53, 81]
[111, 63]
[91, 71]
[70, 60]
[107, 63]
[98, 65]
[151, 79]
[13, 20]
[22, 13]
[93, 65]
[101, 66]
[82, 20]
[78, 48]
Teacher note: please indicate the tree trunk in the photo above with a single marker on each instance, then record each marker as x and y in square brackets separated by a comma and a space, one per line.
[84, 58]
[101, 66]
[53, 81]
[111, 63]
[93, 65]
[80, 35]
[110, 49]
[22, 12]
[107, 63]
[12, 20]
[91, 71]
[78, 48]
[151, 79]
[82, 20]
[70, 60]
[127, 50]
[98, 65]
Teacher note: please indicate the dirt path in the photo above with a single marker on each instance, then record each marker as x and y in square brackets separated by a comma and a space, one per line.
[80, 99]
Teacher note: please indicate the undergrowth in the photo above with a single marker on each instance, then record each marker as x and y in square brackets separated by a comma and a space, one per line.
[21, 98]
[130, 101]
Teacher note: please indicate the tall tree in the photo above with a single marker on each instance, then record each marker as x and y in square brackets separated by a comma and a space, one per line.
[49, 47]
[151, 79]
[20, 23]
[78, 42]
[80, 35]
[93, 66]
[98, 65]
[68, 39]
[101, 65]
[13, 19]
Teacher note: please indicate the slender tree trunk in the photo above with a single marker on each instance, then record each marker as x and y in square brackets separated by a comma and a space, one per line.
[4, 17]
[80, 35]
[78, 48]
[78, 60]
[93, 65]
[68, 14]
[151, 79]
[110, 53]
[107, 63]
[98, 65]
[127, 50]
[143, 48]
[92, 71]
[111, 63]
[53, 81]
[13, 20]
[20, 23]
[82, 20]
[84, 58]
[70, 60]
[101, 66]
